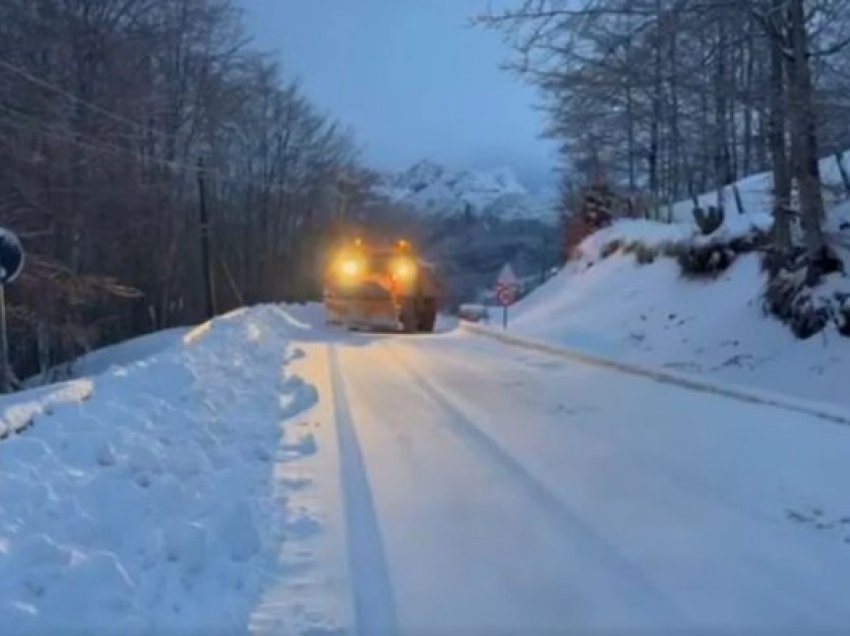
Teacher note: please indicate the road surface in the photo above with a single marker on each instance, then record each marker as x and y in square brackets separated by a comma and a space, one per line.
[459, 485]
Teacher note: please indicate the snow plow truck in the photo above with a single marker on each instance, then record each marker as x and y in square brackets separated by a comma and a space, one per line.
[381, 287]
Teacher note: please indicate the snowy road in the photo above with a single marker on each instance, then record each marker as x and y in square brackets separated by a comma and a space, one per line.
[465, 486]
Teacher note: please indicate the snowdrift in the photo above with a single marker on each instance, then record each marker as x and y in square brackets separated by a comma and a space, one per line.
[151, 508]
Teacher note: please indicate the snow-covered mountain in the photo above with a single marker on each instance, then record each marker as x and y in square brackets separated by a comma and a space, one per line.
[438, 191]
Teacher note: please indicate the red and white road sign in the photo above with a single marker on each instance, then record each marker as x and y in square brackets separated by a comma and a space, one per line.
[507, 286]
[506, 294]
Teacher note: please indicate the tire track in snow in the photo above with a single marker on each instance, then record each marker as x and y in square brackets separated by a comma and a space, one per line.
[374, 601]
[555, 510]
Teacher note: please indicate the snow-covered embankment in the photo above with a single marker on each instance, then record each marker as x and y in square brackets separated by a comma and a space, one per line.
[146, 503]
[614, 302]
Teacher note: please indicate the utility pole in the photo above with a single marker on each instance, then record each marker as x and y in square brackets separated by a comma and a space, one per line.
[11, 264]
[206, 264]
[343, 191]
[4, 343]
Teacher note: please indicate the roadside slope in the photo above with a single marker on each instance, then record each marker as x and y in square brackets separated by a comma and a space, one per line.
[148, 505]
[650, 315]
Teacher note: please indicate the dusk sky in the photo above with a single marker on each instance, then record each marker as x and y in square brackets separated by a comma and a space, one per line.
[412, 78]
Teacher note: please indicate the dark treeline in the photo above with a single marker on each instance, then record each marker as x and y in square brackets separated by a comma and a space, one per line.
[665, 99]
[106, 107]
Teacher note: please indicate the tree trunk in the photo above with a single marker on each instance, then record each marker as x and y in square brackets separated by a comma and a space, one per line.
[778, 150]
[656, 116]
[676, 146]
[630, 119]
[721, 151]
[803, 128]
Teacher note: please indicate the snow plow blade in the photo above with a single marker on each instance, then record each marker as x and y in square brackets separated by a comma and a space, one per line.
[367, 306]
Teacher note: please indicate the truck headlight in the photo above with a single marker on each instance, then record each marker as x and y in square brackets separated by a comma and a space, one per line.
[404, 269]
[349, 268]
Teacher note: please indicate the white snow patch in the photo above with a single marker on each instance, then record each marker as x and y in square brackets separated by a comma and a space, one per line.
[650, 315]
[657, 235]
[20, 411]
[126, 353]
[152, 506]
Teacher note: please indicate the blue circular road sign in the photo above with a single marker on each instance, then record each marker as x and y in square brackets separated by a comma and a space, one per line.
[11, 256]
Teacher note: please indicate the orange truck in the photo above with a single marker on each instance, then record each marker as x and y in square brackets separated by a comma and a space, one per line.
[381, 287]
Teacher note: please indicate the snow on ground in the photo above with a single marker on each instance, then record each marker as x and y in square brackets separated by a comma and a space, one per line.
[656, 235]
[127, 352]
[268, 474]
[649, 314]
[20, 411]
[151, 507]
[495, 490]
[756, 192]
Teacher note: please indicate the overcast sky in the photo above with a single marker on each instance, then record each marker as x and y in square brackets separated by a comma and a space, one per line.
[411, 77]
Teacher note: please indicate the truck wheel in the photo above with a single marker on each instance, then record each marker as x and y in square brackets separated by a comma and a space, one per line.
[427, 317]
[408, 317]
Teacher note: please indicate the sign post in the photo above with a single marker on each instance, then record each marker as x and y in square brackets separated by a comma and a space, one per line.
[507, 291]
[11, 264]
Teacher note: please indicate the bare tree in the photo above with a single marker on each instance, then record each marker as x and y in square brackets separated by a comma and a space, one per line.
[702, 92]
[105, 108]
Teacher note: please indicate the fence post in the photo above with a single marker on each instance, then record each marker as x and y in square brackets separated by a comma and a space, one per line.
[739, 203]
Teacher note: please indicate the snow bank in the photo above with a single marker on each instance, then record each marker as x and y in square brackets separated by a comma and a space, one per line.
[625, 231]
[607, 303]
[650, 315]
[151, 508]
[127, 352]
[19, 411]
[659, 236]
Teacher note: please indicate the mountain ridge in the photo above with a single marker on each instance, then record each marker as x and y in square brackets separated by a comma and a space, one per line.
[437, 191]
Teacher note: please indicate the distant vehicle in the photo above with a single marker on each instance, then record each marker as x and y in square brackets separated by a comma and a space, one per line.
[474, 313]
[381, 287]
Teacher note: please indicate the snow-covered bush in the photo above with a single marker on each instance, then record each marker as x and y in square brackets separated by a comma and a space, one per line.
[806, 295]
[790, 299]
[698, 255]
[706, 260]
[610, 248]
[644, 254]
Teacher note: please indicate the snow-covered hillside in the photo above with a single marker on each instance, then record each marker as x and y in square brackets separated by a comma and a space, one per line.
[756, 192]
[435, 190]
[608, 303]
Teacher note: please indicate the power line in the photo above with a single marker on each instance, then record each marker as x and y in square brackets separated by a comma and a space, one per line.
[68, 138]
[24, 74]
